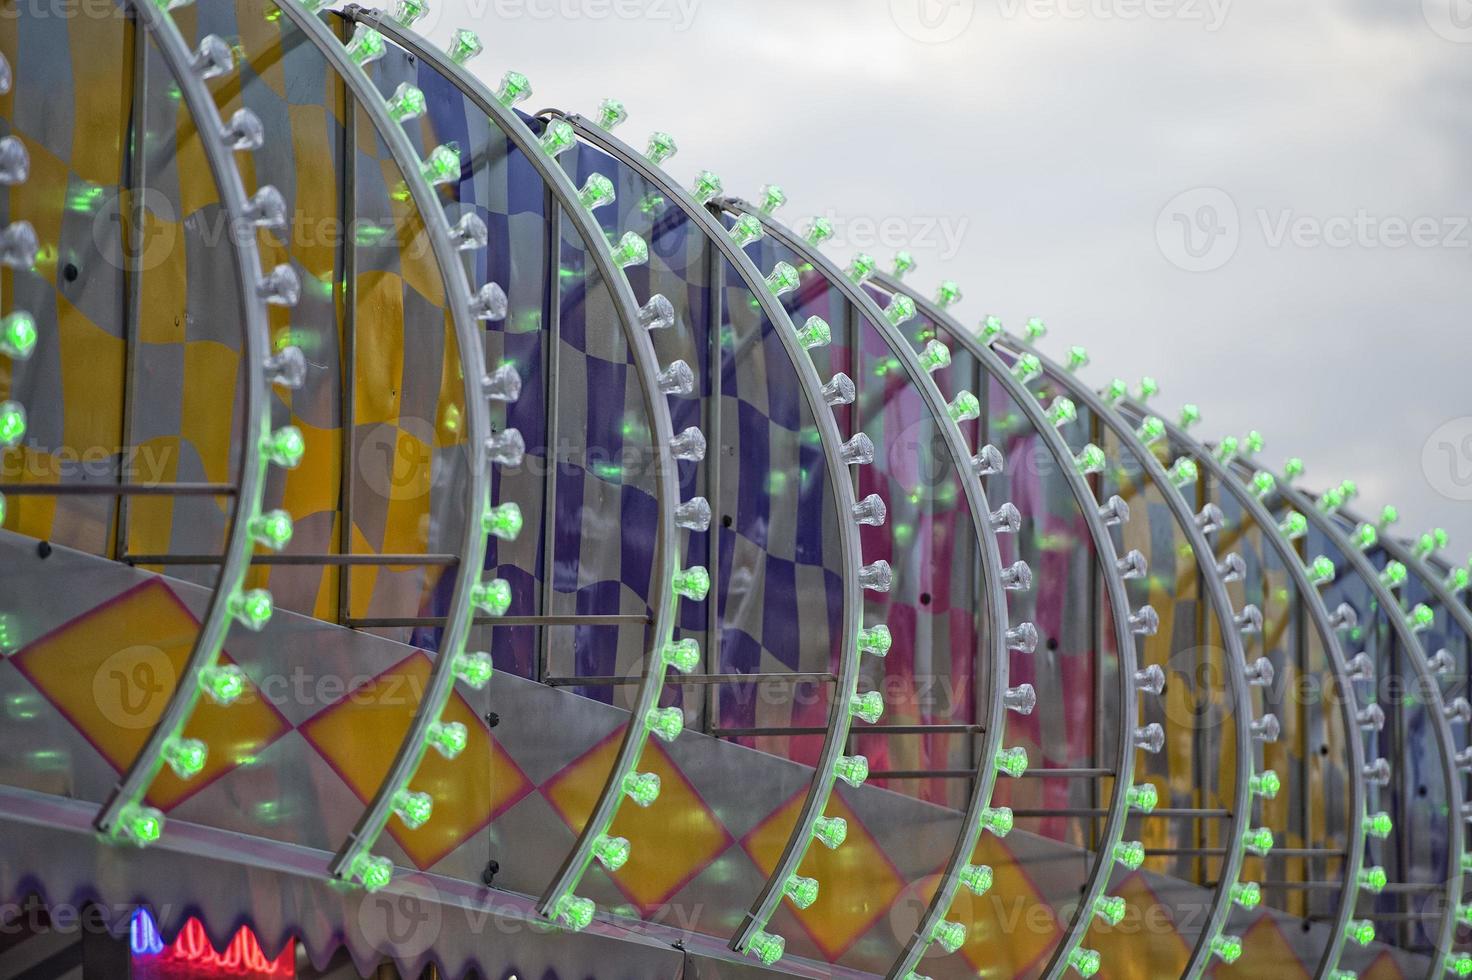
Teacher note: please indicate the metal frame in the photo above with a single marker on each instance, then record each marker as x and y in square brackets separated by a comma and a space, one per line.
[1119, 608]
[1220, 603]
[1313, 603]
[255, 424]
[441, 683]
[990, 583]
[667, 490]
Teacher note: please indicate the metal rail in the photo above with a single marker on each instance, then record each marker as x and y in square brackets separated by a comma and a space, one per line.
[1221, 606]
[127, 795]
[1124, 639]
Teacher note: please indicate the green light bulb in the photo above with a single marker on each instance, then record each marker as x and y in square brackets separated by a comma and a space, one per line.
[693, 583]
[557, 138]
[222, 684]
[1142, 797]
[802, 891]
[901, 309]
[1253, 442]
[1228, 949]
[1035, 329]
[876, 640]
[949, 936]
[1090, 459]
[815, 333]
[1258, 840]
[1078, 358]
[366, 45]
[406, 12]
[1330, 500]
[1362, 931]
[1294, 525]
[575, 913]
[18, 336]
[630, 250]
[852, 769]
[1085, 961]
[773, 198]
[1464, 914]
[1062, 411]
[371, 872]
[186, 756]
[747, 229]
[1365, 537]
[12, 424]
[284, 447]
[515, 87]
[1111, 908]
[1342, 975]
[272, 529]
[783, 280]
[1321, 570]
[990, 329]
[475, 669]
[1148, 389]
[252, 609]
[406, 103]
[1227, 449]
[1247, 894]
[869, 707]
[448, 738]
[442, 166]
[1457, 580]
[831, 832]
[611, 113]
[1373, 879]
[766, 947]
[1378, 825]
[904, 263]
[707, 185]
[683, 655]
[1460, 964]
[947, 294]
[1263, 483]
[139, 824]
[414, 809]
[1389, 515]
[964, 407]
[935, 356]
[611, 852]
[1151, 430]
[641, 787]
[662, 146]
[596, 192]
[1266, 785]
[1116, 391]
[1012, 761]
[1130, 854]
[1028, 367]
[1431, 542]
[978, 878]
[1421, 618]
[492, 598]
[819, 231]
[862, 268]
[1190, 415]
[464, 45]
[997, 819]
[666, 723]
[504, 522]
[1184, 472]
[1293, 469]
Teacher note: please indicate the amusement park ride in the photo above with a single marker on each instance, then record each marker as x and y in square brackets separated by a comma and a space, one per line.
[433, 538]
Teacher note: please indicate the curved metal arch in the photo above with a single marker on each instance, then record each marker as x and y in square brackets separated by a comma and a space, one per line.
[991, 561]
[1456, 844]
[256, 425]
[1314, 603]
[645, 364]
[1221, 605]
[830, 438]
[1119, 608]
[472, 361]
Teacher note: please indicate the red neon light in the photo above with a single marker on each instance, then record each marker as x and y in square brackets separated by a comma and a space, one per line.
[242, 955]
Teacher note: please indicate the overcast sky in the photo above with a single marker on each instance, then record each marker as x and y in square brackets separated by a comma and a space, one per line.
[1263, 203]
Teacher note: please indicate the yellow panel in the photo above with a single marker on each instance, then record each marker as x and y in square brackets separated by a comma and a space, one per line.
[379, 340]
[150, 518]
[91, 382]
[1265, 953]
[312, 487]
[163, 264]
[102, 87]
[211, 375]
[1146, 944]
[317, 204]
